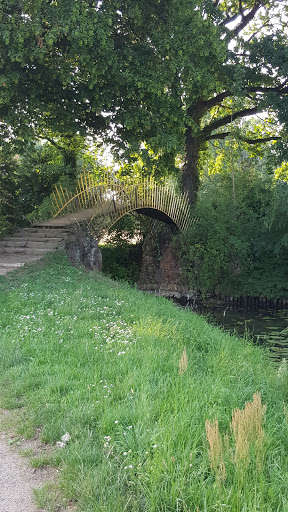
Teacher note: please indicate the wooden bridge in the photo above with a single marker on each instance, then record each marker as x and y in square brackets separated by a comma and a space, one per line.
[100, 203]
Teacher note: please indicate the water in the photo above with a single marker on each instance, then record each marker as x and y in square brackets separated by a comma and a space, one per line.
[268, 327]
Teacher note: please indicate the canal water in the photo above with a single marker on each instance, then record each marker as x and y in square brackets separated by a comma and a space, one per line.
[267, 327]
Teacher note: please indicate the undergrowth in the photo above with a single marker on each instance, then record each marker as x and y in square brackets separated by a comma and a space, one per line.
[238, 247]
[122, 262]
[122, 384]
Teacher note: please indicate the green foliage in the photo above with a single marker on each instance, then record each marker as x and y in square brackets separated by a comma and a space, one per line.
[8, 167]
[127, 230]
[97, 359]
[5, 226]
[28, 178]
[156, 79]
[281, 173]
[239, 245]
[122, 248]
[44, 210]
[39, 168]
[122, 262]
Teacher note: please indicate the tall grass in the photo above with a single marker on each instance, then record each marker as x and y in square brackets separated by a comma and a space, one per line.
[183, 362]
[245, 451]
[132, 379]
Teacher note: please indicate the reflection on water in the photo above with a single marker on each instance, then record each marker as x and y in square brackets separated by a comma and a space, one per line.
[269, 327]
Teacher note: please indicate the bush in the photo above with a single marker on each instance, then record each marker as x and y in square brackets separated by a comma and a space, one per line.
[239, 246]
[122, 262]
[5, 226]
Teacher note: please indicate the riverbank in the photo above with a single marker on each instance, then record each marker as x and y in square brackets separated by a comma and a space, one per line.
[120, 384]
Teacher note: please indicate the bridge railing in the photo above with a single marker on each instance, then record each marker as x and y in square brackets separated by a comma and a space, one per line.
[113, 198]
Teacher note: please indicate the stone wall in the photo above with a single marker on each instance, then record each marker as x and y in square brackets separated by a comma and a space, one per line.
[161, 271]
[82, 249]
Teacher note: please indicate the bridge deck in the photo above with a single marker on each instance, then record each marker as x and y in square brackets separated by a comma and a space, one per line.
[68, 220]
[85, 215]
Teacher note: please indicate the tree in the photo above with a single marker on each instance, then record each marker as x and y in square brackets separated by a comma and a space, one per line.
[155, 77]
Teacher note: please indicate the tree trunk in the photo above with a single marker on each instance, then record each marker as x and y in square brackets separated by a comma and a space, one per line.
[190, 172]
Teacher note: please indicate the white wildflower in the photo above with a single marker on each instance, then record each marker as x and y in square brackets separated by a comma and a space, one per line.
[66, 438]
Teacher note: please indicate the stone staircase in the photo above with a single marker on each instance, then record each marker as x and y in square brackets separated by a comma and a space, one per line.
[28, 245]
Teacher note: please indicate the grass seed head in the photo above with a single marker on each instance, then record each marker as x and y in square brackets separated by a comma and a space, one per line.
[247, 429]
[215, 449]
[183, 362]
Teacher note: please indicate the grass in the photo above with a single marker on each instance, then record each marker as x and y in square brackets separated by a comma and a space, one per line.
[133, 379]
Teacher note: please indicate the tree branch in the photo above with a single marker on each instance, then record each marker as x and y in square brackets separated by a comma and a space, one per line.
[259, 141]
[284, 83]
[241, 8]
[217, 136]
[223, 135]
[216, 100]
[281, 89]
[229, 119]
[266, 24]
[58, 146]
[196, 110]
[204, 105]
[229, 19]
[246, 19]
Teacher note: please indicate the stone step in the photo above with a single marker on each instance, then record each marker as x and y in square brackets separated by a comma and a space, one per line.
[14, 260]
[15, 250]
[42, 233]
[12, 265]
[27, 250]
[34, 250]
[11, 262]
[15, 243]
[49, 244]
[30, 244]
[64, 222]
[5, 243]
[43, 245]
[26, 240]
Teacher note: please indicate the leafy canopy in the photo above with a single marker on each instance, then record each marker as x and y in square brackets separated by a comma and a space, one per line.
[159, 77]
[91, 67]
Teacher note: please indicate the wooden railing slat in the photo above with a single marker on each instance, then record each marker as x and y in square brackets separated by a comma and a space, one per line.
[110, 199]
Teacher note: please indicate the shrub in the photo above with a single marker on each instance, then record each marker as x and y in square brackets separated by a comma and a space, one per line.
[239, 245]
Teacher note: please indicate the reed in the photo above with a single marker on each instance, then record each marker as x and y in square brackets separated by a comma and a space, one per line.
[183, 362]
[215, 449]
[247, 429]
[247, 432]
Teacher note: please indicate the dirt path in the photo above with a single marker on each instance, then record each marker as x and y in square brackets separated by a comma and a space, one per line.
[17, 478]
[17, 481]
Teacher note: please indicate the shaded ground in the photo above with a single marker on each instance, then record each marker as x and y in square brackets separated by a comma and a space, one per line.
[17, 478]
[17, 481]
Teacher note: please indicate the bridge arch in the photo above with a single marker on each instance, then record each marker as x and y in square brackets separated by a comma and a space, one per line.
[99, 204]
